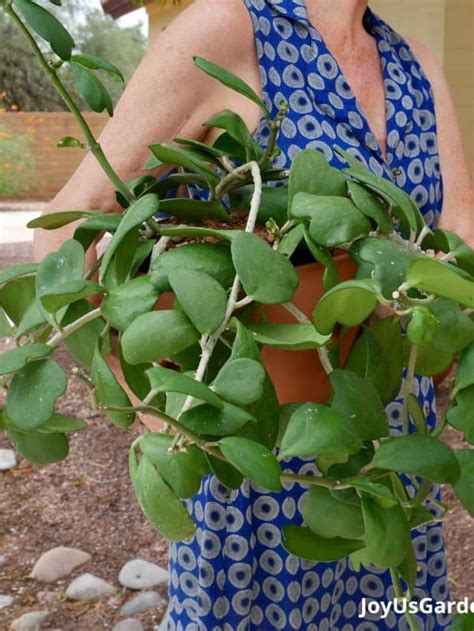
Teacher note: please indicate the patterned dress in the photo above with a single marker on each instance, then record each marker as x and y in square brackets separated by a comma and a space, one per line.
[234, 575]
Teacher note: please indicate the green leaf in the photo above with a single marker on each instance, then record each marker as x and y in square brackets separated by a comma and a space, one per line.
[17, 271]
[194, 209]
[136, 214]
[376, 356]
[181, 157]
[197, 231]
[165, 380]
[5, 328]
[96, 63]
[353, 465]
[19, 357]
[348, 303]
[59, 423]
[51, 221]
[81, 344]
[162, 508]
[311, 173]
[47, 26]
[316, 429]
[273, 204]
[418, 454]
[70, 141]
[463, 622]
[329, 517]
[371, 206]
[267, 276]
[240, 381]
[358, 400]
[225, 473]
[408, 569]
[303, 543]
[33, 392]
[333, 220]
[291, 241]
[182, 470]
[465, 372]
[291, 337]
[157, 335]
[201, 297]
[123, 304]
[323, 256]
[211, 152]
[207, 420]
[255, 461]
[212, 259]
[234, 125]
[40, 450]
[433, 276]
[231, 81]
[91, 228]
[387, 533]
[92, 89]
[417, 414]
[461, 414]
[109, 392]
[383, 261]
[384, 496]
[429, 360]
[448, 241]
[420, 516]
[62, 295]
[17, 296]
[135, 377]
[456, 330]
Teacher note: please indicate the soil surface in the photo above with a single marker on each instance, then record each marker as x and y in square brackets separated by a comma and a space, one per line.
[87, 502]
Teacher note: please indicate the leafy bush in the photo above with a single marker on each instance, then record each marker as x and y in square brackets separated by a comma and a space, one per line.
[17, 163]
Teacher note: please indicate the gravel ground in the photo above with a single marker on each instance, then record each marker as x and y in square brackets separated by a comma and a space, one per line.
[87, 502]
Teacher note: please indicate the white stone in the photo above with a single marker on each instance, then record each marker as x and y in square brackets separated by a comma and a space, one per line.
[89, 587]
[143, 602]
[140, 574]
[6, 601]
[58, 562]
[3, 560]
[29, 621]
[129, 624]
[7, 459]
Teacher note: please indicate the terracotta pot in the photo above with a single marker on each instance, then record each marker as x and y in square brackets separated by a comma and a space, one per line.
[298, 375]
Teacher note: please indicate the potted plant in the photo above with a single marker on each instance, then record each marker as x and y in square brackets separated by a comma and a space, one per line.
[215, 329]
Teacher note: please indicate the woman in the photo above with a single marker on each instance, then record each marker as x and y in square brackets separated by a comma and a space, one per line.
[350, 81]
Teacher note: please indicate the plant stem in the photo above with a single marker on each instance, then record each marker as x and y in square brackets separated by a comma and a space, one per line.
[408, 384]
[92, 143]
[56, 340]
[440, 427]
[208, 343]
[313, 480]
[399, 594]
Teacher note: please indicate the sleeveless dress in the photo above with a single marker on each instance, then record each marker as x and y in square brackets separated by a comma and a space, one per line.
[234, 575]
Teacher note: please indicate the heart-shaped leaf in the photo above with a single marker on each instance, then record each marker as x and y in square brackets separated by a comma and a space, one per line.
[448, 241]
[157, 335]
[18, 358]
[291, 337]
[182, 471]
[165, 380]
[207, 420]
[371, 206]
[161, 506]
[17, 271]
[212, 259]
[60, 296]
[253, 460]
[81, 344]
[40, 449]
[315, 429]
[33, 392]
[303, 543]
[123, 304]
[348, 303]
[17, 296]
[225, 472]
[358, 400]
[311, 173]
[240, 381]
[418, 454]
[329, 517]
[456, 329]
[136, 214]
[267, 276]
[465, 372]
[201, 297]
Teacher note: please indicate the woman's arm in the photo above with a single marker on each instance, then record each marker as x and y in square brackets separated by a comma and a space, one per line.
[458, 206]
[167, 96]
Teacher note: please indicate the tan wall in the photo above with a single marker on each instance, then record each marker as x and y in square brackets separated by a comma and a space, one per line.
[53, 166]
[160, 16]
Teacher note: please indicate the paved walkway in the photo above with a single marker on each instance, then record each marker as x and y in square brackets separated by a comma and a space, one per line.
[13, 219]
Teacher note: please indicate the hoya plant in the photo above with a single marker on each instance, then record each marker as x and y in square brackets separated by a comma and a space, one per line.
[184, 289]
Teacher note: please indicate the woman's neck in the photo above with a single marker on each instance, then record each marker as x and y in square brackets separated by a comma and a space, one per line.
[338, 21]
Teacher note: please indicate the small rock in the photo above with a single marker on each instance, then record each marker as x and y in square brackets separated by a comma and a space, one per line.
[29, 621]
[129, 624]
[7, 459]
[6, 601]
[89, 587]
[57, 563]
[48, 598]
[142, 602]
[140, 574]
[3, 560]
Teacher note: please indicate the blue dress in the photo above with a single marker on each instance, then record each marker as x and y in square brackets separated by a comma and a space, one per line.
[234, 575]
